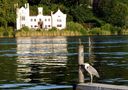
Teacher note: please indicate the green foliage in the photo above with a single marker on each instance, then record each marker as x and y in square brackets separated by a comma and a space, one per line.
[113, 12]
[53, 29]
[116, 30]
[6, 33]
[25, 28]
[95, 31]
[82, 14]
[120, 12]
[72, 26]
[107, 27]
[1, 30]
[33, 10]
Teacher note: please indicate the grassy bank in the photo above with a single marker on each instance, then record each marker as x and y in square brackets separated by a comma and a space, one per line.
[57, 33]
[47, 33]
[38, 33]
[73, 29]
[95, 31]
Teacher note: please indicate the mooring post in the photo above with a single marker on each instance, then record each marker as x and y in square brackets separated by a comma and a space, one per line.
[81, 61]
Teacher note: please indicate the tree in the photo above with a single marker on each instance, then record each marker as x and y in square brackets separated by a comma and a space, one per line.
[113, 11]
[82, 14]
[34, 2]
[119, 14]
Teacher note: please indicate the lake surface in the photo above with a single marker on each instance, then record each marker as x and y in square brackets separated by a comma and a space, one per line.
[37, 63]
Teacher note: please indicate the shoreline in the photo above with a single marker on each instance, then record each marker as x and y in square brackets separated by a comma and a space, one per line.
[57, 36]
[57, 33]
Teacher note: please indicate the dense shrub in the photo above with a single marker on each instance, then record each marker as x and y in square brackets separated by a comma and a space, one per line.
[95, 31]
[107, 27]
[25, 29]
[72, 26]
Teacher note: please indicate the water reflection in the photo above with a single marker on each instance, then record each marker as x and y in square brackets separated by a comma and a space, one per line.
[40, 57]
[112, 57]
[41, 86]
[7, 61]
[54, 60]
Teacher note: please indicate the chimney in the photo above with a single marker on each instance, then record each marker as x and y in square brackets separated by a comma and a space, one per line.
[25, 5]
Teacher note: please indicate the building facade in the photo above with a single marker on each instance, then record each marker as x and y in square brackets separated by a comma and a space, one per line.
[40, 21]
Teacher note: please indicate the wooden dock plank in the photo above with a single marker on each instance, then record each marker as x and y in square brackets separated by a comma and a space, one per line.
[97, 86]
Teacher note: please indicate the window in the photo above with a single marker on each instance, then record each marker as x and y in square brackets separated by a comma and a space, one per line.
[35, 20]
[58, 20]
[40, 19]
[31, 20]
[49, 25]
[23, 25]
[23, 18]
[59, 25]
[31, 26]
[49, 19]
[45, 19]
[45, 26]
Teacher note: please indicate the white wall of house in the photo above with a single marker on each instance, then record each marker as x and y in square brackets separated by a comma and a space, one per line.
[59, 20]
[23, 18]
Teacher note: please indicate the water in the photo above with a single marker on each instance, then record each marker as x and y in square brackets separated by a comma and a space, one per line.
[51, 62]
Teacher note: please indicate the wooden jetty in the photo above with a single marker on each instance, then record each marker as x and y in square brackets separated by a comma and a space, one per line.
[92, 86]
[98, 86]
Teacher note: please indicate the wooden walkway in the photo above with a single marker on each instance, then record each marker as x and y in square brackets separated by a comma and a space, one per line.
[97, 86]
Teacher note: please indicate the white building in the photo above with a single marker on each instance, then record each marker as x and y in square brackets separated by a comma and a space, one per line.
[41, 21]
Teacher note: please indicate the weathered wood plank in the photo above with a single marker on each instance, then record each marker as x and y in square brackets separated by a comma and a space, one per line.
[97, 86]
[80, 62]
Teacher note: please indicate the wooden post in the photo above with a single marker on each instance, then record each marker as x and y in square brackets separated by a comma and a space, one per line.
[90, 49]
[81, 61]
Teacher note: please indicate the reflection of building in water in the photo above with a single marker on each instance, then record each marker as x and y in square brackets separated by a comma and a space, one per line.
[37, 54]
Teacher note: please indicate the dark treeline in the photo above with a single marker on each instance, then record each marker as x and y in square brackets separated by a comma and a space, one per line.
[88, 13]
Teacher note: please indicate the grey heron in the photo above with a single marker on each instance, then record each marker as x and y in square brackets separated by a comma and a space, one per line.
[91, 70]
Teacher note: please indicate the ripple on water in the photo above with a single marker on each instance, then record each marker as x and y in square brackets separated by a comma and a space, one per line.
[119, 81]
[33, 86]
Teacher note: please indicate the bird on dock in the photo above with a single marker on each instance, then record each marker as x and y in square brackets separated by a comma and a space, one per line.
[91, 70]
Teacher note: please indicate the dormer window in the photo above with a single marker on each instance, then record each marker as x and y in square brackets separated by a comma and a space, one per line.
[22, 11]
[23, 18]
